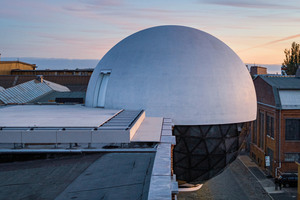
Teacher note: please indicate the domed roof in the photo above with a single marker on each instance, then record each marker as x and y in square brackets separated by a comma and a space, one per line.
[177, 72]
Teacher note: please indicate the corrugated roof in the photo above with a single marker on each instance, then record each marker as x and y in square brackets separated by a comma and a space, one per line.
[28, 91]
[74, 83]
[290, 99]
[2, 88]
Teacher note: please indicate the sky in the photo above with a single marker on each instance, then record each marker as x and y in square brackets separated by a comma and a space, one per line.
[258, 31]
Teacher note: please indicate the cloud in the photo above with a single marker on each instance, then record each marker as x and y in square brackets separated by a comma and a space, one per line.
[102, 3]
[250, 4]
[272, 42]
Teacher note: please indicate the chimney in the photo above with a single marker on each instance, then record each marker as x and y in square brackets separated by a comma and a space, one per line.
[40, 78]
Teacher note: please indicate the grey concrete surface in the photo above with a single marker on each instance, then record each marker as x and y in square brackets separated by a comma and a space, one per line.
[113, 176]
[41, 179]
[97, 176]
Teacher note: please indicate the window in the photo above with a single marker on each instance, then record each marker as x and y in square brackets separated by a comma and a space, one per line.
[292, 129]
[291, 157]
[100, 89]
[270, 153]
[255, 132]
[270, 126]
[261, 129]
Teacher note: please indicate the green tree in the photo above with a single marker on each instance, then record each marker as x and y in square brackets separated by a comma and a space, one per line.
[292, 59]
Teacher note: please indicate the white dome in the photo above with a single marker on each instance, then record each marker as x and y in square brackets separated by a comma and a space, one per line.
[176, 72]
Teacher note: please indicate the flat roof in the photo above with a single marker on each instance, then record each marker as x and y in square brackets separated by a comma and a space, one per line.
[54, 116]
[104, 175]
[113, 176]
[150, 130]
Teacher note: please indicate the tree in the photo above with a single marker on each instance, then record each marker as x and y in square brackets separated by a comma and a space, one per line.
[292, 59]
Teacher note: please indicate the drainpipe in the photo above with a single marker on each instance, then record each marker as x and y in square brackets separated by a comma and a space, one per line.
[279, 143]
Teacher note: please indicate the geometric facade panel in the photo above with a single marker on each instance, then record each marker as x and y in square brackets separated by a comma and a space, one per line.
[202, 152]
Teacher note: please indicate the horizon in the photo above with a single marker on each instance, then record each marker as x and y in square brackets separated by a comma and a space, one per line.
[255, 30]
[65, 63]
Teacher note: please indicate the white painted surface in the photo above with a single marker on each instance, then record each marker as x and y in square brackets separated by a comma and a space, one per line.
[180, 73]
[136, 126]
[54, 116]
[57, 87]
[162, 162]
[8, 136]
[74, 136]
[190, 189]
[111, 136]
[290, 99]
[102, 90]
[149, 130]
[68, 136]
[163, 184]
[41, 136]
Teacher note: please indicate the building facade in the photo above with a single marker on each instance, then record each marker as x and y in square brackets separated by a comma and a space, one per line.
[275, 138]
[7, 66]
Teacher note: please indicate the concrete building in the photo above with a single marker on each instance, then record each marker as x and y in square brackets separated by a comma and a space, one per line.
[165, 104]
[186, 75]
[7, 66]
[257, 70]
[134, 152]
[276, 132]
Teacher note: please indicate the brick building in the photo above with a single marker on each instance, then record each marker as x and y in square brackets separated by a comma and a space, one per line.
[54, 72]
[257, 70]
[276, 132]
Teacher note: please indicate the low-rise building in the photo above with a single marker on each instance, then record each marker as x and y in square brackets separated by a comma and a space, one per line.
[7, 66]
[54, 72]
[276, 132]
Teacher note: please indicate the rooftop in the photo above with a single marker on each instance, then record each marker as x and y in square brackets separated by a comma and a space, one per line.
[286, 90]
[29, 91]
[138, 166]
[24, 63]
[74, 83]
[54, 116]
[282, 82]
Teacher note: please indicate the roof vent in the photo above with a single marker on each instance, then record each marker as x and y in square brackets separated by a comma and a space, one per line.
[298, 72]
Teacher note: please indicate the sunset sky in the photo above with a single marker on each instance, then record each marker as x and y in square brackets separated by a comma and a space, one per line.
[258, 31]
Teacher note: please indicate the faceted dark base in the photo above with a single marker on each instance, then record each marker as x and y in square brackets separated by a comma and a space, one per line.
[202, 152]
